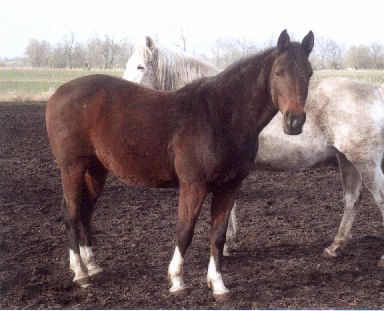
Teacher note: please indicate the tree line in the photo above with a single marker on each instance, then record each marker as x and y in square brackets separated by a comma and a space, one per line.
[98, 52]
[107, 53]
[327, 53]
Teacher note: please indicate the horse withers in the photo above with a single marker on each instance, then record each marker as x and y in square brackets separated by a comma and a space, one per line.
[201, 138]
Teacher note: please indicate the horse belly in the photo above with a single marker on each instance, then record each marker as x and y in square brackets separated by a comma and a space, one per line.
[139, 169]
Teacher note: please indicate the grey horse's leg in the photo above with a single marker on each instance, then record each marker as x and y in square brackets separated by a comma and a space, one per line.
[373, 179]
[352, 188]
[231, 231]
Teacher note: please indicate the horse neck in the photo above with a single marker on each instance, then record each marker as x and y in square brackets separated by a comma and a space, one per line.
[244, 96]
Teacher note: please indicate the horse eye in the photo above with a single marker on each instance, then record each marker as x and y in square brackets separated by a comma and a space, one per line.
[140, 67]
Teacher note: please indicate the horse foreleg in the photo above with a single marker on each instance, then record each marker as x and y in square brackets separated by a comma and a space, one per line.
[222, 203]
[191, 198]
[352, 189]
[231, 232]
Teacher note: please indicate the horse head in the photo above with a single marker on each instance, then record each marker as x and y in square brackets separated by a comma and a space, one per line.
[142, 65]
[289, 79]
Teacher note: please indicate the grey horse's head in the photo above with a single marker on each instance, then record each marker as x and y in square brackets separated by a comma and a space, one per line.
[162, 69]
[142, 65]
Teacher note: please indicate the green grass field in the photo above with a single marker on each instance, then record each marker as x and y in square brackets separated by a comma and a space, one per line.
[22, 85]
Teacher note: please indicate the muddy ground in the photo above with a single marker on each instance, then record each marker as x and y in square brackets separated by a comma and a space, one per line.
[286, 220]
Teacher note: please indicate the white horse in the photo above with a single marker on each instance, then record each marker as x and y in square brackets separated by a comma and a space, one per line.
[345, 119]
[163, 69]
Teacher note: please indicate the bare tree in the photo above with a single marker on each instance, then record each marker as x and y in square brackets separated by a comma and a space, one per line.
[377, 55]
[183, 39]
[359, 57]
[228, 50]
[38, 53]
[327, 54]
[68, 45]
[58, 57]
[123, 52]
[106, 52]
[78, 59]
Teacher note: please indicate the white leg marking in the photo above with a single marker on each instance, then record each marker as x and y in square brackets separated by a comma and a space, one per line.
[231, 231]
[226, 250]
[175, 271]
[76, 266]
[88, 259]
[215, 279]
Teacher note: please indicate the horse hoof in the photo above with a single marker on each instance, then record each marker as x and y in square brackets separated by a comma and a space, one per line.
[83, 282]
[222, 297]
[329, 254]
[178, 289]
[380, 264]
[226, 253]
[94, 270]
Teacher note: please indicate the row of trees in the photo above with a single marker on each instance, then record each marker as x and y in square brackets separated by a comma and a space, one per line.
[106, 53]
[327, 53]
[98, 52]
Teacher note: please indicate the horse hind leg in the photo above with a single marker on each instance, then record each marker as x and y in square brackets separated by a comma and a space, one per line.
[373, 179]
[73, 185]
[352, 189]
[95, 177]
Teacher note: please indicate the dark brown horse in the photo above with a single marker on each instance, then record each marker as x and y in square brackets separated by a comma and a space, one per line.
[201, 138]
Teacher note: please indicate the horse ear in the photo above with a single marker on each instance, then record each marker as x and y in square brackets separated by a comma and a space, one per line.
[150, 43]
[308, 42]
[283, 41]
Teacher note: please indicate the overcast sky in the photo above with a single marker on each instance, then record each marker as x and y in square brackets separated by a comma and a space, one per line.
[347, 22]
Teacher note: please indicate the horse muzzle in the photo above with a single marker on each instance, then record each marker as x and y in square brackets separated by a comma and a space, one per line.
[293, 123]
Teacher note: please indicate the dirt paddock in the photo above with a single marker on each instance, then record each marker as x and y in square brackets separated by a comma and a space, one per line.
[286, 220]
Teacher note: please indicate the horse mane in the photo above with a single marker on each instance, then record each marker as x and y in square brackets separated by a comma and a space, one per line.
[246, 59]
[176, 70]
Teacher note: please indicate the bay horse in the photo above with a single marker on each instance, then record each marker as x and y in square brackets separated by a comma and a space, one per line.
[335, 107]
[201, 138]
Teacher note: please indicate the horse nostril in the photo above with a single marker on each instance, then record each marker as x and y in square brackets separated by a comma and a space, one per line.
[289, 119]
[298, 121]
[294, 122]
